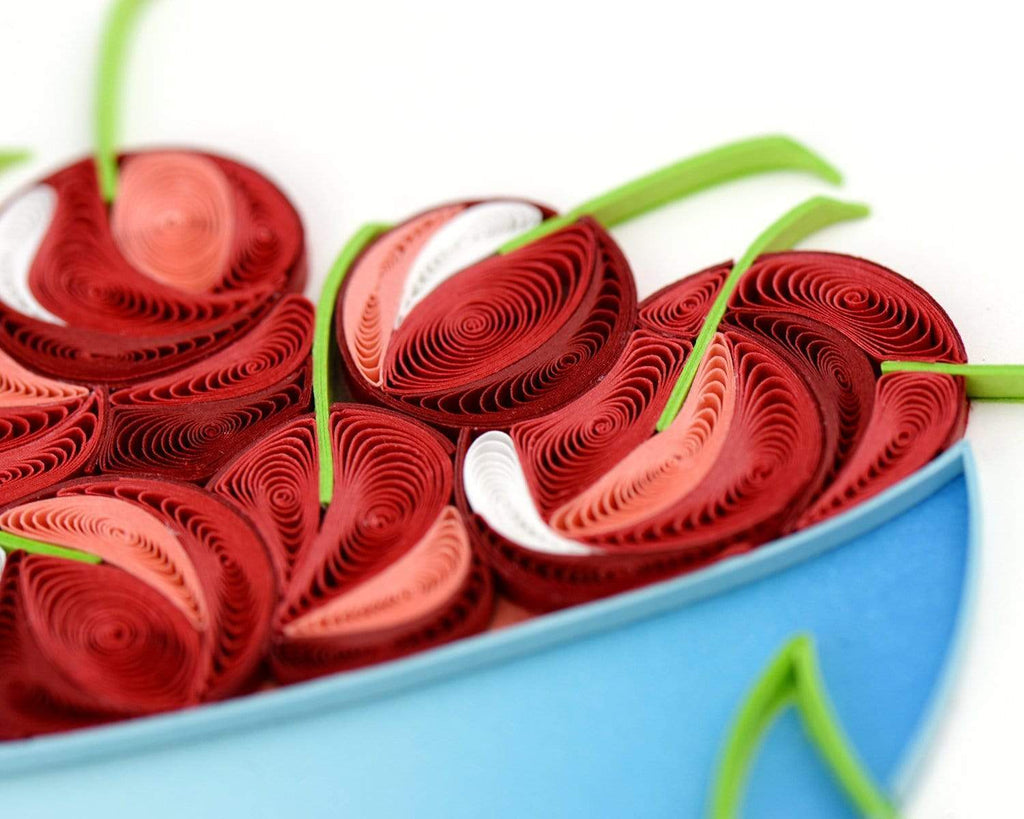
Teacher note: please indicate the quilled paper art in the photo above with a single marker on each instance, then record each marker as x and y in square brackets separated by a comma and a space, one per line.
[49, 429]
[191, 255]
[488, 312]
[389, 569]
[168, 605]
[748, 405]
[150, 311]
[775, 441]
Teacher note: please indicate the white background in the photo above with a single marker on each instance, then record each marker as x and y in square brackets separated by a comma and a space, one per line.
[375, 110]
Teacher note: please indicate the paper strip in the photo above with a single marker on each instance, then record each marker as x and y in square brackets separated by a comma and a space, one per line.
[688, 176]
[23, 226]
[325, 310]
[793, 678]
[799, 223]
[986, 382]
[109, 83]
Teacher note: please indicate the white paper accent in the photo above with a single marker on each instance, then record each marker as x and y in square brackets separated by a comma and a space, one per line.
[471, 236]
[23, 224]
[496, 489]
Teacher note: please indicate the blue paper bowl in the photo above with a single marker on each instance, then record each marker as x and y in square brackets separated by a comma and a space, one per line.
[617, 708]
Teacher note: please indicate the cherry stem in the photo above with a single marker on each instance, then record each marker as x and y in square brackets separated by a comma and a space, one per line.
[109, 85]
[688, 176]
[15, 156]
[325, 309]
[984, 382]
[793, 678]
[802, 221]
[11, 543]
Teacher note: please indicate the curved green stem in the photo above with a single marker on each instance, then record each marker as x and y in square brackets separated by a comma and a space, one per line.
[724, 164]
[793, 678]
[322, 350]
[10, 543]
[803, 220]
[985, 382]
[15, 156]
[109, 82]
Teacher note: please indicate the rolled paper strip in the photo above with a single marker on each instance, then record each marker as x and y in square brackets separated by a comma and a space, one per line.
[788, 423]
[883, 313]
[179, 611]
[20, 387]
[497, 491]
[432, 323]
[390, 570]
[119, 534]
[986, 382]
[838, 372]
[49, 430]
[175, 220]
[191, 259]
[413, 589]
[506, 338]
[566, 451]
[793, 678]
[916, 416]
[187, 425]
[85, 644]
[23, 226]
[273, 482]
[649, 481]
[802, 221]
[721, 479]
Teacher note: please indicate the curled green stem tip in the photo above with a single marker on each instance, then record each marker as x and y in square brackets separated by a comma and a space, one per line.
[322, 350]
[793, 678]
[805, 219]
[735, 160]
[109, 82]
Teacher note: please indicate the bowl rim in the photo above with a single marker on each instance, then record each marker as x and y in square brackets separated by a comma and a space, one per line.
[300, 700]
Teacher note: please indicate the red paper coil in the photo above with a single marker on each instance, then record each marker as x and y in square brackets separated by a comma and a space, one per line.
[507, 338]
[193, 253]
[389, 570]
[49, 430]
[787, 423]
[187, 425]
[179, 612]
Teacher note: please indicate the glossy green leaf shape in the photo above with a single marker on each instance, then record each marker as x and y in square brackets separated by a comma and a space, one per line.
[726, 163]
[109, 83]
[11, 157]
[984, 382]
[805, 219]
[322, 349]
[12, 543]
[793, 678]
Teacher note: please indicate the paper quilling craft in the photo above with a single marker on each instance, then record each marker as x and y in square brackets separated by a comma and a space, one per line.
[746, 492]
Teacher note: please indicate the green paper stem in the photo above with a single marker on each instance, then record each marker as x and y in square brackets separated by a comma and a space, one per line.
[724, 164]
[322, 350]
[109, 84]
[10, 543]
[10, 158]
[802, 221]
[984, 382]
[793, 678]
